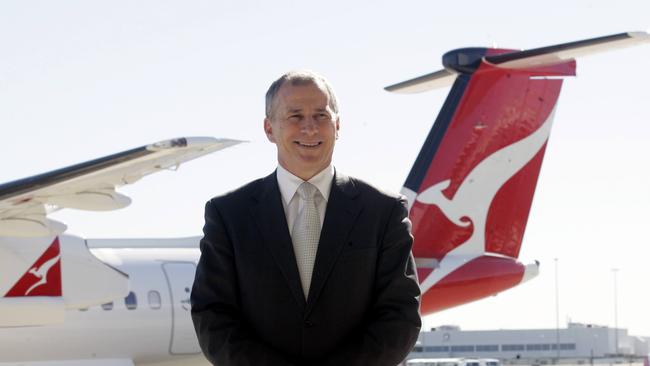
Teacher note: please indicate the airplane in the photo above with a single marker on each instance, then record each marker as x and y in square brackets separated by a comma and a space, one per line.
[61, 272]
[470, 192]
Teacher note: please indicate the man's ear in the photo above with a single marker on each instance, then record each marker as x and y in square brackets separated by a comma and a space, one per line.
[338, 126]
[268, 129]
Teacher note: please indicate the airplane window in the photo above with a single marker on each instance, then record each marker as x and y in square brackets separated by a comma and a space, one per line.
[154, 299]
[131, 301]
[108, 306]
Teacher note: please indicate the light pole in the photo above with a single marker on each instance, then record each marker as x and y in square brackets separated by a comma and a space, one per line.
[557, 314]
[615, 272]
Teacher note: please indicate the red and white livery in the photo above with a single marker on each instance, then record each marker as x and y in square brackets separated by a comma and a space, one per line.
[470, 193]
[472, 185]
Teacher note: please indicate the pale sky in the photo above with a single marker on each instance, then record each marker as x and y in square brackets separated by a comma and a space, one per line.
[84, 79]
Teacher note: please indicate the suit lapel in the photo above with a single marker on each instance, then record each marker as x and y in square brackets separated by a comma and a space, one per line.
[269, 216]
[340, 214]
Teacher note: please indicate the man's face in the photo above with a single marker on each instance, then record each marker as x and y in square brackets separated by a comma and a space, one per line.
[304, 128]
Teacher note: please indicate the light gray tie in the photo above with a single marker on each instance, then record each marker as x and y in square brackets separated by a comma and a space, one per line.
[305, 234]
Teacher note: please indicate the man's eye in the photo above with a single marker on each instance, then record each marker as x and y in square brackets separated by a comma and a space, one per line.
[323, 116]
[295, 117]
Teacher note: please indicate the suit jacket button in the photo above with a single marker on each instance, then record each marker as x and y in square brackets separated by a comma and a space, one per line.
[309, 323]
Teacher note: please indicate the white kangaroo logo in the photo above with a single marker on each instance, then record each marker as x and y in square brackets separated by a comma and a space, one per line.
[41, 272]
[472, 200]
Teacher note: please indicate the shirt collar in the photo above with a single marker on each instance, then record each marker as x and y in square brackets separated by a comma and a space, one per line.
[289, 183]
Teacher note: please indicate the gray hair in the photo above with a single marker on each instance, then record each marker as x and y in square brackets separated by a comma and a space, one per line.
[300, 77]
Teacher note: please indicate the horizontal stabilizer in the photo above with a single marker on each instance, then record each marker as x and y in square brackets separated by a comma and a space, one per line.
[434, 80]
[567, 51]
[467, 60]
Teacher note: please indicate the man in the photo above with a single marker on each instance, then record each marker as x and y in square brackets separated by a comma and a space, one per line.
[272, 287]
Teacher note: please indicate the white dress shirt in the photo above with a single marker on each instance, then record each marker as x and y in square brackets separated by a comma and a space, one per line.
[292, 202]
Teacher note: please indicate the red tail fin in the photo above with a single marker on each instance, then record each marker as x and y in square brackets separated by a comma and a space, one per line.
[472, 185]
[43, 278]
[477, 171]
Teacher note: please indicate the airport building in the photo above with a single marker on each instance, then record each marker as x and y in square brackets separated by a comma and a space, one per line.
[578, 343]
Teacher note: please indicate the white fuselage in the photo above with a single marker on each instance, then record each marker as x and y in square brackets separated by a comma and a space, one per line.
[155, 328]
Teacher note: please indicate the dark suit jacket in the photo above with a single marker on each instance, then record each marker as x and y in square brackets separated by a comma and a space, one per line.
[248, 305]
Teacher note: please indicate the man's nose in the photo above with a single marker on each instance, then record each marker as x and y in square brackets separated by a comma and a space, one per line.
[309, 126]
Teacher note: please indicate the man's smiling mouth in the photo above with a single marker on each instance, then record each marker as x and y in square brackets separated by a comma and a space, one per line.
[308, 144]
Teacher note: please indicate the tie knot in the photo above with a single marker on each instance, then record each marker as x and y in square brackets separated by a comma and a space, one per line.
[307, 191]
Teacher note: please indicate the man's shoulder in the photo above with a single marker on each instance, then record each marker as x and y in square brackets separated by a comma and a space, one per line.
[238, 195]
[371, 191]
[376, 201]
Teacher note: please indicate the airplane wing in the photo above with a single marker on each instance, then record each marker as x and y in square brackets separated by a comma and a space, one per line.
[25, 203]
[42, 273]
